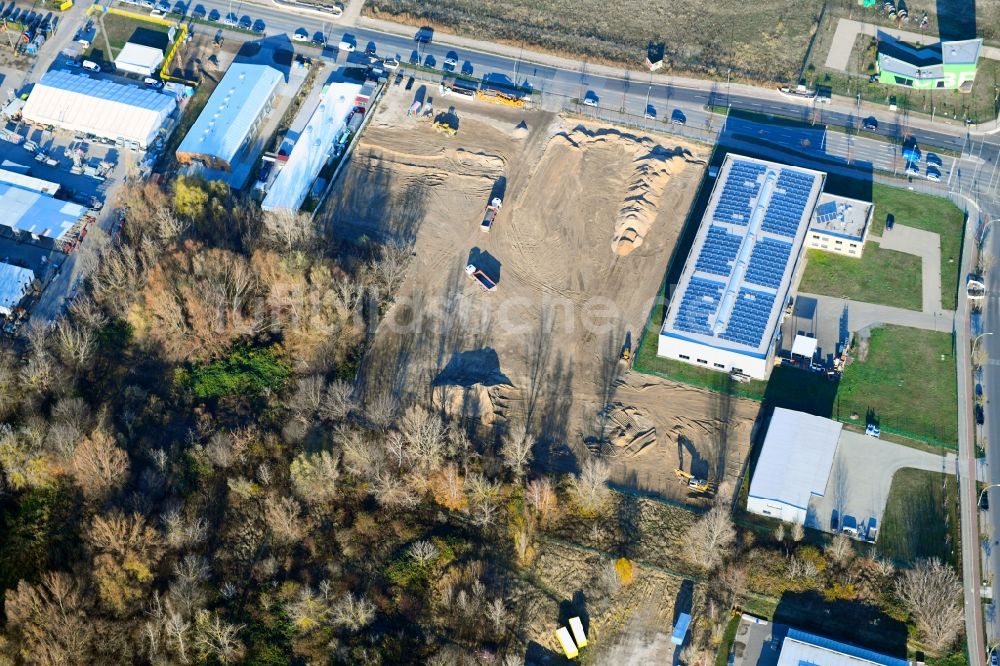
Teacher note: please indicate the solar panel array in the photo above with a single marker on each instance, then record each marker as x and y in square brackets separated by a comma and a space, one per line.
[826, 211]
[701, 300]
[748, 321]
[788, 202]
[718, 252]
[741, 187]
[768, 262]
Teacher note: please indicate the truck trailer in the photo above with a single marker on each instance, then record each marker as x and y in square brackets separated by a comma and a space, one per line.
[481, 278]
[492, 209]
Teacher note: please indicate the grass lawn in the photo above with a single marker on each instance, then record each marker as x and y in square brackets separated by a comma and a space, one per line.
[924, 211]
[122, 29]
[880, 276]
[921, 518]
[908, 381]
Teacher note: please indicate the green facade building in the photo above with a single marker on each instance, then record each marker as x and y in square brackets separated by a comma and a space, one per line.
[941, 66]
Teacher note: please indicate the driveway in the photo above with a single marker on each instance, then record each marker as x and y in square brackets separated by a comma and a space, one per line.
[861, 477]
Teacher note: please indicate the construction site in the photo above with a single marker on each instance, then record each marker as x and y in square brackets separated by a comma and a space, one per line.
[538, 244]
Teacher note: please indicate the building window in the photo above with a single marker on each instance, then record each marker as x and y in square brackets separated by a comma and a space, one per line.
[839, 242]
[685, 357]
[940, 84]
[701, 360]
[852, 251]
[719, 365]
[815, 236]
[902, 81]
[824, 246]
[854, 245]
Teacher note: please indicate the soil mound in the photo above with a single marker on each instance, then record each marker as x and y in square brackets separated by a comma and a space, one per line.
[630, 432]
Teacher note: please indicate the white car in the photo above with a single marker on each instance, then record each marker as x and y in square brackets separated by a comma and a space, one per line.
[390, 64]
[158, 13]
[590, 99]
[300, 36]
[451, 62]
[933, 175]
[90, 66]
[873, 431]
[912, 169]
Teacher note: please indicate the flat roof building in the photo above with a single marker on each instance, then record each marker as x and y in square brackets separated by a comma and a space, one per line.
[794, 465]
[799, 647]
[23, 180]
[14, 285]
[840, 225]
[231, 116]
[139, 59]
[313, 147]
[103, 108]
[725, 313]
[943, 66]
[36, 213]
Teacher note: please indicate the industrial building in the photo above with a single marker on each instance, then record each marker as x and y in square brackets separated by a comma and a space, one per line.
[40, 215]
[799, 647]
[109, 110]
[314, 146]
[794, 465]
[231, 117]
[21, 179]
[942, 66]
[15, 282]
[139, 59]
[840, 225]
[726, 310]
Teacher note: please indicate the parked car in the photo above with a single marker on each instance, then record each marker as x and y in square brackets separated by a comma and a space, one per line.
[371, 50]
[677, 117]
[650, 112]
[451, 60]
[591, 98]
[933, 174]
[933, 159]
[300, 35]
[980, 415]
[390, 64]
[870, 124]
[873, 430]
[152, 83]
[90, 66]
[984, 501]
[158, 13]
[912, 169]
[265, 171]
[346, 46]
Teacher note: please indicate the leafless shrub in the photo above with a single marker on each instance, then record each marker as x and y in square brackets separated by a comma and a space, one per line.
[423, 552]
[352, 613]
[99, 465]
[841, 550]
[590, 488]
[710, 540]
[282, 516]
[314, 476]
[337, 402]
[932, 593]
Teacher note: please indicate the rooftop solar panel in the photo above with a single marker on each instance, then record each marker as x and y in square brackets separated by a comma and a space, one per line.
[701, 300]
[748, 320]
[826, 211]
[768, 262]
[718, 251]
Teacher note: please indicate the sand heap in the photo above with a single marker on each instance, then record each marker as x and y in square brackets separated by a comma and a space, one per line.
[629, 431]
[479, 402]
[652, 169]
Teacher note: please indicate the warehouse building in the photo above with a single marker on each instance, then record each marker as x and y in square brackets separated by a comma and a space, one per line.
[840, 225]
[725, 313]
[21, 179]
[109, 110]
[794, 465]
[41, 216]
[231, 117]
[313, 148]
[139, 59]
[941, 66]
[800, 647]
[15, 282]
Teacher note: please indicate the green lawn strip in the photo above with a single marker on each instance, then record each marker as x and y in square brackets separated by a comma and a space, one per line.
[921, 518]
[931, 213]
[722, 656]
[886, 277]
[909, 381]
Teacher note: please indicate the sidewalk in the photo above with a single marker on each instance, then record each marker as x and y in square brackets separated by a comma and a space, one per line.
[927, 246]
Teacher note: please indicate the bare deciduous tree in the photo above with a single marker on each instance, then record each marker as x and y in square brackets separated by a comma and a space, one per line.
[75, 343]
[423, 551]
[542, 498]
[99, 465]
[425, 434]
[50, 620]
[779, 533]
[498, 616]
[841, 550]
[352, 613]
[590, 488]
[710, 540]
[289, 229]
[282, 516]
[214, 637]
[390, 269]
[314, 476]
[517, 451]
[798, 532]
[337, 402]
[187, 590]
[932, 593]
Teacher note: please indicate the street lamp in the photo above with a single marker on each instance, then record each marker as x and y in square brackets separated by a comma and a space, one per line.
[983, 492]
[982, 234]
[975, 340]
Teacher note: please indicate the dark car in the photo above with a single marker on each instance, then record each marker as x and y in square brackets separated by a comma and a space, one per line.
[246, 22]
[984, 505]
[259, 26]
[409, 83]
[979, 391]
[214, 15]
[371, 50]
[870, 124]
[199, 12]
[980, 415]
[677, 117]
[890, 220]
[424, 35]
[265, 171]
[319, 39]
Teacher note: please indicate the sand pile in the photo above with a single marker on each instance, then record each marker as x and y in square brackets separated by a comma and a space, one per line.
[629, 431]
[652, 169]
[479, 402]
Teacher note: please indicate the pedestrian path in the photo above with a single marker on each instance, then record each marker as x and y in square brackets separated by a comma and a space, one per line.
[861, 315]
[927, 246]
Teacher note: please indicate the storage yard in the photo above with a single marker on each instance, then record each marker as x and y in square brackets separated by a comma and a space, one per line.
[589, 219]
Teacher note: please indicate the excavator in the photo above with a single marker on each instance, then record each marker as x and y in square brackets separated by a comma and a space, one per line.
[694, 484]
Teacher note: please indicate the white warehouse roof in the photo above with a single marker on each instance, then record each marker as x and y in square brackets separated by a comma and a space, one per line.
[103, 108]
[14, 283]
[796, 459]
[231, 111]
[37, 213]
[800, 648]
[313, 147]
[139, 59]
[23, 180]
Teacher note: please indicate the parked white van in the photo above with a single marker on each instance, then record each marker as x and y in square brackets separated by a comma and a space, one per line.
[91, 66]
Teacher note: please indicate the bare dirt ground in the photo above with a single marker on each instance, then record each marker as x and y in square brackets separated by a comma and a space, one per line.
[590, 217]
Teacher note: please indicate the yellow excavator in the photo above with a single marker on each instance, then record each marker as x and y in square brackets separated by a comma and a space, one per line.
[694, 484]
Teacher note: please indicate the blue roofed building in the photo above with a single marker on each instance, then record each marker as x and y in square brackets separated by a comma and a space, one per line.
[231, 117]
[725, 313]
[36, 214]
[803, 649]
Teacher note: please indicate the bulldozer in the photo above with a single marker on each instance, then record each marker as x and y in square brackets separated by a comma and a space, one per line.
[445, 128]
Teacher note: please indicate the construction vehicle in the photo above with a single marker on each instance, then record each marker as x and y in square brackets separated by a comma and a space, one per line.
[445, 128]
[492, 210]
[485, 282]
[694, 484]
